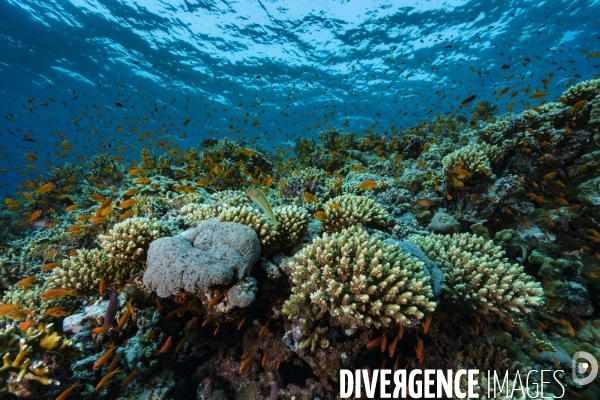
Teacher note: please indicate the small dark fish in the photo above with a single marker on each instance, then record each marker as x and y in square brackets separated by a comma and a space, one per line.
[75, 98]
[111, 309]
[29, 140]
[187, 121]
[467, 101]
[564, 222]
[208, 143]
[257, 76]
[119, 105]
[505, 66]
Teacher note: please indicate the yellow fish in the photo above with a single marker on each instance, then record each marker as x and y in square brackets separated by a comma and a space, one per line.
[260, 199]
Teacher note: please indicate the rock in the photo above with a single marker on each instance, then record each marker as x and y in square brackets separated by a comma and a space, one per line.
[430, 269]
[442, 223]
[564, 359]
[73, 323]
[222, 253]
[577, 300]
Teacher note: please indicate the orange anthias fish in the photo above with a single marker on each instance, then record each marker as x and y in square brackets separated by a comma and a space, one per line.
[45, 188]
[309, 197]
[424, 203]
[8, 308]
[127, 203]
[320, 215]
[56, 312]
[57, 293]
[368, 185]
[260, 199]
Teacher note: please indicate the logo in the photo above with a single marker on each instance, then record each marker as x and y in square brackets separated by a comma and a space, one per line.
[580, 368]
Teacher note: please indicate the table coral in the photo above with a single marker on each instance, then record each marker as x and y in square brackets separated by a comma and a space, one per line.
[357, 280]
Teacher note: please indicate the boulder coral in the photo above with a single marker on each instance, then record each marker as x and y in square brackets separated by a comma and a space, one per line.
[202, 259]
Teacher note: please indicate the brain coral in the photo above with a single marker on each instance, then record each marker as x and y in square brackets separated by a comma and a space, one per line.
[359, 281]
[349, 210]
[129, 240]
[477, 276]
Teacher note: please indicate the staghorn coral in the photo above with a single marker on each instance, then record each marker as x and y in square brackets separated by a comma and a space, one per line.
[293, 222]
[199, 212]
[129, 240]
[358, 281]
[254, 219]
[349, 210]
[84, 270]
[477, 275]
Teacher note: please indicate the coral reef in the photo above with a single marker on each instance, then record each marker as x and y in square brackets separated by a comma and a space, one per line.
[349, 210]
[477, 275]
[358, 281]
[213, 255]
[128, 241]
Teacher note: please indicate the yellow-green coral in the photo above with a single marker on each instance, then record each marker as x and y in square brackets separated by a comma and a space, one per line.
[476, 275]
[293, 222]
[129, 240]
[84, 270]
[254, 219]
[199, 212]
[357, 280]
[585, 90]
[234, 198]
[349, 210]
[24, 344]
[476, 159]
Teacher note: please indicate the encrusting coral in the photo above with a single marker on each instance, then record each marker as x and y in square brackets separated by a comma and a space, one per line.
[129, 240]
[348, 210]
[476, 274]
[358, 281]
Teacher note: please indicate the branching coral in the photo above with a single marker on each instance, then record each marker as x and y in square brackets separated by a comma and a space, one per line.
[349, 210]
[586, 90]
[13, 339]
[199, 212]
[129, 240]
[254, 219]
[358, 281]
[476, 275]
[84, 271]
[234, 198]
[293, 222]
[476, 160]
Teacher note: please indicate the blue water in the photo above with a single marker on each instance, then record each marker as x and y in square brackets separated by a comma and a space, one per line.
[294, 66]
